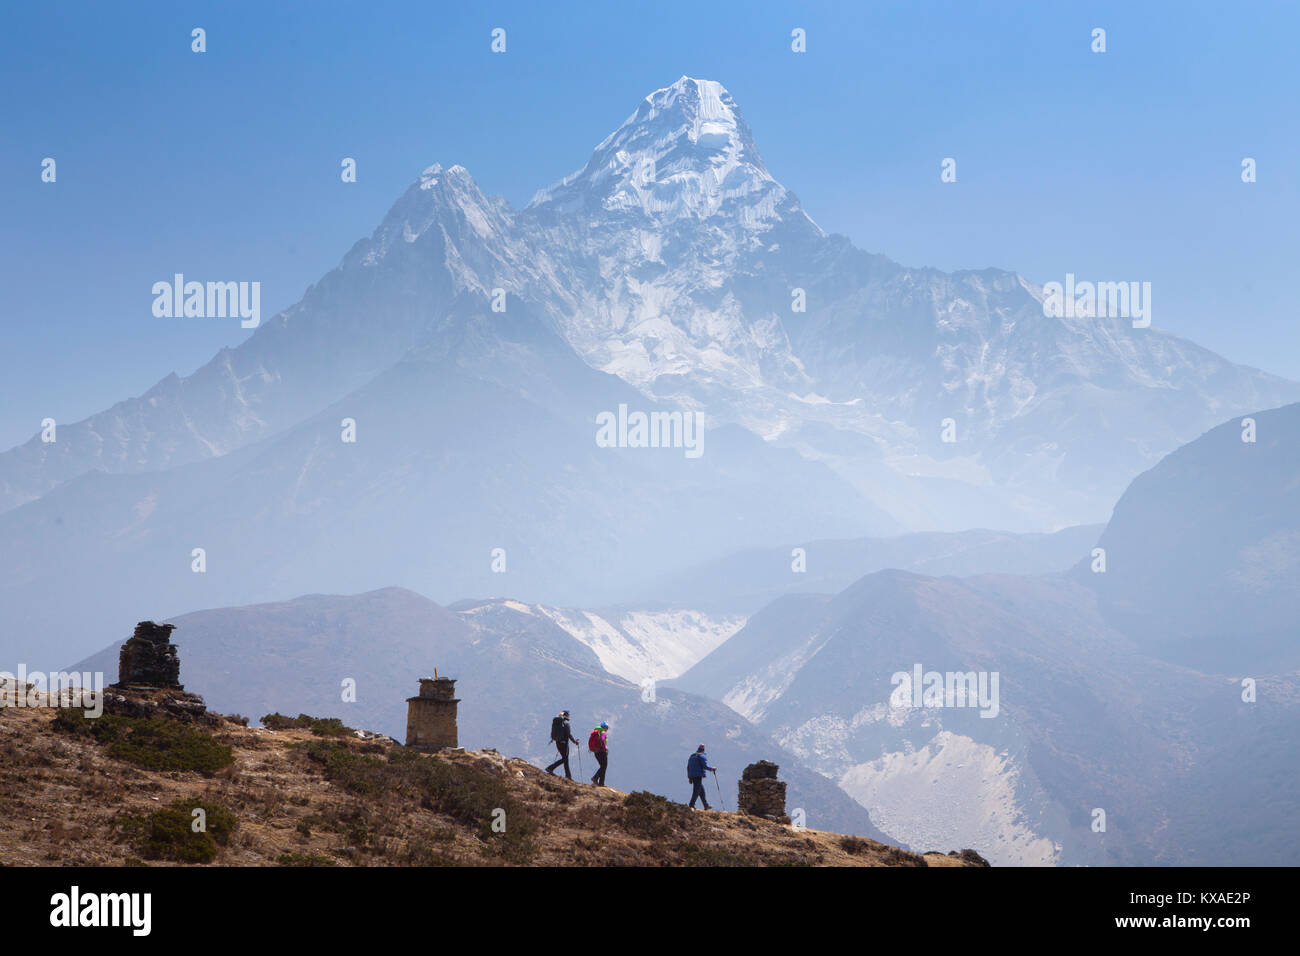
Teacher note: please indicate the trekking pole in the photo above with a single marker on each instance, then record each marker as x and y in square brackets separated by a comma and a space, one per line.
[580, 770]
[721, 801]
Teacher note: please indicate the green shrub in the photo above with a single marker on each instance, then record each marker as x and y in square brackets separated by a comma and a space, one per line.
[71, 721]
[651, 816]
[854, 845]
[355, 827]
[156, 743]
[320, 726]
[895, 856]
[169, 832]
[356, 773]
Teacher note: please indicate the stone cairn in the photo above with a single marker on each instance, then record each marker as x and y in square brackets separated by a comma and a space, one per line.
[149, 658]
[761, 794]
[149, 679]
[431, 715]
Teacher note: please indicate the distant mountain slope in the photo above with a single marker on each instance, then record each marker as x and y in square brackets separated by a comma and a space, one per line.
[1098, 708]
[631, 643]
[816, 673]
[1083, 721]
[388, 295]
[459, 451]
[1203, 551]
[744, 582]
[515, 669]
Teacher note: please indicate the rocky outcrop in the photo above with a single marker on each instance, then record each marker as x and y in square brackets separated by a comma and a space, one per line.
[144, 703]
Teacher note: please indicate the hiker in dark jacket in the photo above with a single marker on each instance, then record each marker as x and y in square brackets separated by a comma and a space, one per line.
[598, 744]
[562, 735]
[696, 767]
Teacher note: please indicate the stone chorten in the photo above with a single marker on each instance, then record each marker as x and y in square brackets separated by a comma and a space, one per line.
[431, 716]
[761, 794]
[150, 659]
[149, 679]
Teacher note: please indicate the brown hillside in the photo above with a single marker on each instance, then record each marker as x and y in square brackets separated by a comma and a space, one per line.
[76, 794]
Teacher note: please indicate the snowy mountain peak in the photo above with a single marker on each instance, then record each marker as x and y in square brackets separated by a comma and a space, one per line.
[701, 110]
[455, 175]
[685, 152]
[445, 204]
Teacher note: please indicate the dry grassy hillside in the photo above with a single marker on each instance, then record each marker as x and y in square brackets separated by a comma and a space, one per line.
[123, 790]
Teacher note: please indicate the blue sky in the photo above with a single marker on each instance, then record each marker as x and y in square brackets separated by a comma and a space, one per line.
[225, 165]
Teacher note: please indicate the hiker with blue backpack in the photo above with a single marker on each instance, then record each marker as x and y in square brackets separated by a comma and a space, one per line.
[696, 767]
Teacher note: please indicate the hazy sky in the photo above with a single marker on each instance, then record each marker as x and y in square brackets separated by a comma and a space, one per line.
[225, 165]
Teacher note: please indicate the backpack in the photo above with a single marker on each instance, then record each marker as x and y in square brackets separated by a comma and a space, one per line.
[558, 733]
[594, 743]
